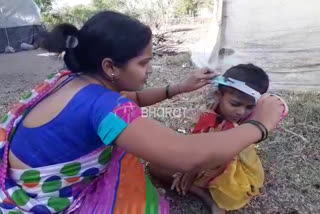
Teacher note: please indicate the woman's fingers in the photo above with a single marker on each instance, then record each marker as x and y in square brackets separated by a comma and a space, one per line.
[206, 74]
[269, 110]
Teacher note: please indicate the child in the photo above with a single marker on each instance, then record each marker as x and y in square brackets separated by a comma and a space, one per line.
[230, 186]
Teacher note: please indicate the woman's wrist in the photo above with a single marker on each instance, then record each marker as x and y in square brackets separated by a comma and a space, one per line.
[254, 131]
[263, 130]
[172, 90]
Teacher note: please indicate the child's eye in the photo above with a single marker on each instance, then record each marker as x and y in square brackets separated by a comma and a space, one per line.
[250, 107]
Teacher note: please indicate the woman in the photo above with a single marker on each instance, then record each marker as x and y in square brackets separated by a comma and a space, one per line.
[74, 141]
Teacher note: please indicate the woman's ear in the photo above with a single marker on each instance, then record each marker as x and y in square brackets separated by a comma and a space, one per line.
[109, 69]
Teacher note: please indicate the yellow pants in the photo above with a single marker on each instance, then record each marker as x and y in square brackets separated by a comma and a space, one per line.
[239, 182]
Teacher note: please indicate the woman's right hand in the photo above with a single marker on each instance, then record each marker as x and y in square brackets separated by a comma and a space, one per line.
[153, 142]
[268, 111]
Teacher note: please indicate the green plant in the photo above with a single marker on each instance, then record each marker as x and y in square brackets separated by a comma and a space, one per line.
[152, 12]
[75, 15]
[107, 4]
[192, 7]
[44, 5]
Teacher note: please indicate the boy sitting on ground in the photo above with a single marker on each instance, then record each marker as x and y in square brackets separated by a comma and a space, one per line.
[232, 185]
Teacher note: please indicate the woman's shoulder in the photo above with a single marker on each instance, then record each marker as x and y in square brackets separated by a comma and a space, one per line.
[104, 96]
[96, 90]
[107, 101]
[98, 95]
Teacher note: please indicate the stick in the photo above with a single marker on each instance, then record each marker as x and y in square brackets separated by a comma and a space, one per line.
[295, 134]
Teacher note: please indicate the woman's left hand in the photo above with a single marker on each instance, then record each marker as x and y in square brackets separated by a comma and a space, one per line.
[197, 79]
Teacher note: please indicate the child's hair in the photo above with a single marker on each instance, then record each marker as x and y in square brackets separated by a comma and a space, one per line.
[252, 75]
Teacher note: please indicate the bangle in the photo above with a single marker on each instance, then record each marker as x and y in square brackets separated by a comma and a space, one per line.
[167, 91]
[266, 132]
[261, 127]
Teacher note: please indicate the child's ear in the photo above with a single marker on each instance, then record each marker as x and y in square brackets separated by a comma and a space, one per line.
[217, 95]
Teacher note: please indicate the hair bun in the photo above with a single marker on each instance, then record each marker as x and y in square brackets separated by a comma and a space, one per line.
[56, 40]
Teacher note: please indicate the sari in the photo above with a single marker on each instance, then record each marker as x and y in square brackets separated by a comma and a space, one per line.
[107, 180]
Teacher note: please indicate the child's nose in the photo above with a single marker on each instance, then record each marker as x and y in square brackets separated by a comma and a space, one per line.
[241, 112]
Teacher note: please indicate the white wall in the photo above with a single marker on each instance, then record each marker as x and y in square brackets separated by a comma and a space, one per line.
[281, 36]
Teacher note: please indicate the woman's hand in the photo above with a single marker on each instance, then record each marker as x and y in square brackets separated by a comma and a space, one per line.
[197, 79]
[268, 111]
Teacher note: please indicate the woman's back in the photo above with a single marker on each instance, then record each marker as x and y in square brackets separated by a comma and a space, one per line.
[63, 127]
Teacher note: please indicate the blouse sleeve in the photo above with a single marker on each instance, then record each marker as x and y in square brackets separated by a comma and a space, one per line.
[111, 114]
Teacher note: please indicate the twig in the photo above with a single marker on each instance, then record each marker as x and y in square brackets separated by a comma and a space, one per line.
[295, 134]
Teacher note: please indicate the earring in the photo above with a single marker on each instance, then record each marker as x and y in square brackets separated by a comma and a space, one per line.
[112, 77]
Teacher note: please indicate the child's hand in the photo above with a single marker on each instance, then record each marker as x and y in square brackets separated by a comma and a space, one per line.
[187, 181]
[176, 182]
[183, 181]
[197, 79]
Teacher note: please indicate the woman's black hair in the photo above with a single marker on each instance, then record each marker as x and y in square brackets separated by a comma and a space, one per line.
[107, 34]
[255, 77]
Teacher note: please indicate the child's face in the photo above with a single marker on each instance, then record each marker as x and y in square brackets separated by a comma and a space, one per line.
[234, 106]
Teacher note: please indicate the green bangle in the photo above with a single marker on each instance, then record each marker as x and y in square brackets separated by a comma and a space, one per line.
[167, 91]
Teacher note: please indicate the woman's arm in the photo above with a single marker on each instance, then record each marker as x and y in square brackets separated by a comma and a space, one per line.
[155, 143]
[151, 96]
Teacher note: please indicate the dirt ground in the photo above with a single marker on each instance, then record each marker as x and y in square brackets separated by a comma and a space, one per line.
[291, 157]
[20, 71]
